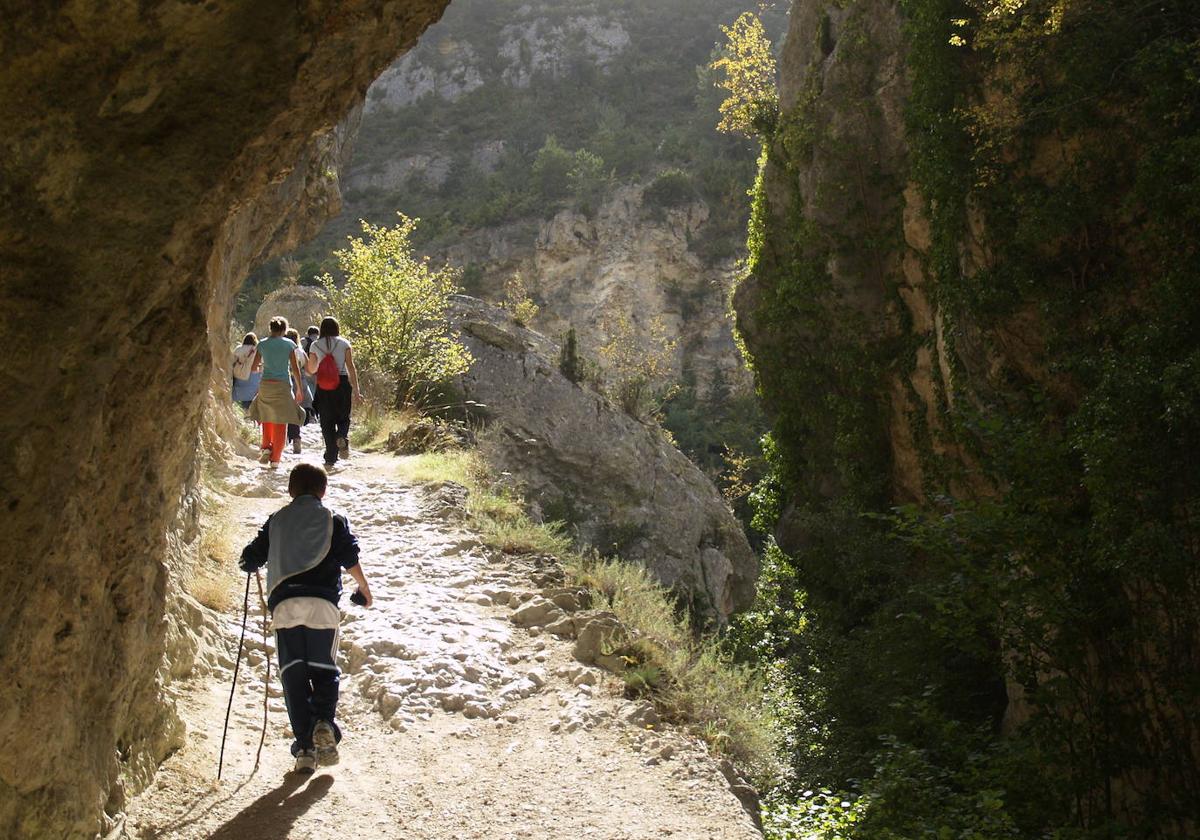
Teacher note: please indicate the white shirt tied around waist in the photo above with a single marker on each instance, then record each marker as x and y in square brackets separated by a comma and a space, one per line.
[316, 613]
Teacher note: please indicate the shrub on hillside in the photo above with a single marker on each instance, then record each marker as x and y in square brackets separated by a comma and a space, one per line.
[673, 188]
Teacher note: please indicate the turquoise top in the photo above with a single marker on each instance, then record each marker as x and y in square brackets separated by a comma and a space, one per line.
[277, 355]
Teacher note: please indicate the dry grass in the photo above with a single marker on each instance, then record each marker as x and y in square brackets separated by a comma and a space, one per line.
[214, 579]
[496, 513]
[692, 682]
[374, 421]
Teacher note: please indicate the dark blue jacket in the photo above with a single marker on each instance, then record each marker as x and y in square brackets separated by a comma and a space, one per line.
[323, 580]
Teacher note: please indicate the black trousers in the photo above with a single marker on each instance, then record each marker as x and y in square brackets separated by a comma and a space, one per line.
[309, 672]
[333, 407]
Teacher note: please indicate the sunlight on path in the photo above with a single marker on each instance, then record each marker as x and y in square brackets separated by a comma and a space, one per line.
[457, 724]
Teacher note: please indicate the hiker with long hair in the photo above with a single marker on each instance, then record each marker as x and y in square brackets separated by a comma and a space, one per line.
[246, 373]
[278, 400]
[293, 429]
[331, 360]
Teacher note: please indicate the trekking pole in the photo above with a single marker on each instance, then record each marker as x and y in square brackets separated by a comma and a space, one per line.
[236, 665]
[267, 656]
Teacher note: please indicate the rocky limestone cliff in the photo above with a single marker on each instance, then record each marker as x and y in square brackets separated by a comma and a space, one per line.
[624, 261]
[526, 44]
[617, 482]
[151, 155]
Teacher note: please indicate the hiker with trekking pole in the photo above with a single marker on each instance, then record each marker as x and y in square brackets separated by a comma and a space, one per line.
[305, 546]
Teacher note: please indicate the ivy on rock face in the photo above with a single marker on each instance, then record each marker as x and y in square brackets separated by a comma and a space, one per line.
[1055, 148]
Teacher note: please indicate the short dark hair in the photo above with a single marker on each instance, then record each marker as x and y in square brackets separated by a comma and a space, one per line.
[329, 327]
[278, 325]
[307, 480]
[312, 331]
[293, 335]
[250, 339]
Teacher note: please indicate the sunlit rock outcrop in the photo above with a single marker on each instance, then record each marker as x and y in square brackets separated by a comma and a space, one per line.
[617, 483]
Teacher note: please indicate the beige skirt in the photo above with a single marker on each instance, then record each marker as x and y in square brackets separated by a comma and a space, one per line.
[276, 403]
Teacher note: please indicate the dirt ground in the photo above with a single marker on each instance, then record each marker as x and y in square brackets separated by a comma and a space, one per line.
[457, 724]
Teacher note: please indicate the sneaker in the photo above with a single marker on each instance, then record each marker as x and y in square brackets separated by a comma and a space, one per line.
[296, 446]
[274, 465]
[325, 743]
[343, 446]
[264, 455]
[306, 762]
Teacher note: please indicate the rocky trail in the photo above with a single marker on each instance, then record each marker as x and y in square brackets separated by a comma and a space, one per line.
[458, 723]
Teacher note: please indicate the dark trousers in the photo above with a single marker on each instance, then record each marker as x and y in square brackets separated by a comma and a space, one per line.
[309, 672]
[333, 407]
[333, 428]
[293, 432]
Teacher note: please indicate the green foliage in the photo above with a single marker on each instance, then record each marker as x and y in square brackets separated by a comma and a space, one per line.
[517, 300]
[393, 307]
[588, 179]
[551, 170]
[671, 188]
[568, 361]
[749, 67]
[719, 431]
[1062, 214]
[637, 370]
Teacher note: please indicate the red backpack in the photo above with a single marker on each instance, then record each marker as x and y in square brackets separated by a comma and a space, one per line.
[329, 375]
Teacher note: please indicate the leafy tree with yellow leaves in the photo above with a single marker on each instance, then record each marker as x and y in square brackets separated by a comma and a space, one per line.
[393, 307]
[638, 366]
[749, 67]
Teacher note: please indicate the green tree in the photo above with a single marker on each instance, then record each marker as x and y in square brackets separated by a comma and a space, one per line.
[588, 179]
[393, 307]
[749, 67]
[551, 170]
[638, 367]
[517, 301]
[568, 358]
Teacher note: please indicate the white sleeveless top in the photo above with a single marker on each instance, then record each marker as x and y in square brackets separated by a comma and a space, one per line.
[335, 346]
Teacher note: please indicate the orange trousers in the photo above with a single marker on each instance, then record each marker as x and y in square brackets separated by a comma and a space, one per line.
[274, 435]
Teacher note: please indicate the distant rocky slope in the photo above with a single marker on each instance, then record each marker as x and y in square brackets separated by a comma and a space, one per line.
[452, 133]
[622, 261]
[617, 482]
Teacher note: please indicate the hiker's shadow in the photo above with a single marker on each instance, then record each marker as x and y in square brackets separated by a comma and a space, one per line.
[270, 817]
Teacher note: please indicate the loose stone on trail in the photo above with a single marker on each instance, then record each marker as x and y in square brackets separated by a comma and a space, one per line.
[448, 701]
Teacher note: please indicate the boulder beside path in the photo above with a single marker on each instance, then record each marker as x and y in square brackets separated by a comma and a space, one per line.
[615, 481]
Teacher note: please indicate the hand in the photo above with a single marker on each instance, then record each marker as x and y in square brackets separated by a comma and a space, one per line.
[299, 396]
[358, 397]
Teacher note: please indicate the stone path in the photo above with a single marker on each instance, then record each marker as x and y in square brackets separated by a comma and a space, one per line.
[457, 723]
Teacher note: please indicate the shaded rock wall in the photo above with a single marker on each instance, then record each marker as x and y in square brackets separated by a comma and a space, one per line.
[617, 482]
[968, 298]
[150, 156]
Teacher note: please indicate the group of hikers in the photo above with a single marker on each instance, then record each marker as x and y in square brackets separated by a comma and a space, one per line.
[284, 382]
